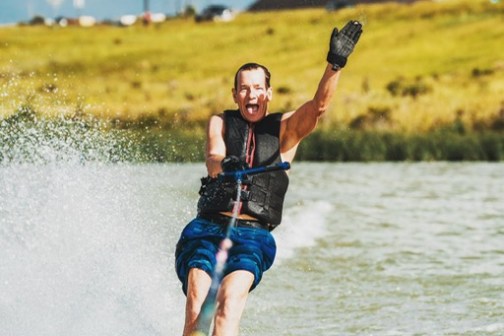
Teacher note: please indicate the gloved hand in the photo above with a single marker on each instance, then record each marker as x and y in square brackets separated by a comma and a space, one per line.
[232, 163]
[342, 43]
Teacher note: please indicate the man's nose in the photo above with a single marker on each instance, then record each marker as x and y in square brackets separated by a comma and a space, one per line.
[252, 94]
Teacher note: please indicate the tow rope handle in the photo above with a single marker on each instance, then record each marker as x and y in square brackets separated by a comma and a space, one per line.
[238, 174]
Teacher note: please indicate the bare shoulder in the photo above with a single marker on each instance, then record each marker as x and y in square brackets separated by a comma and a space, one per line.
[216, 118]
[295, 126]
[216, 123]
[285, 121]
[287, 115]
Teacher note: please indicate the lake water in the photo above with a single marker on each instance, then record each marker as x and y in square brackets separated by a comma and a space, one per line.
[364, 249]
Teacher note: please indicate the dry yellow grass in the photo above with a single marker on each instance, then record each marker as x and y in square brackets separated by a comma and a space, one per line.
[180, 72]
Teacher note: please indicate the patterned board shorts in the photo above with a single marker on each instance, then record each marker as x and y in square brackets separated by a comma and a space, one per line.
[253, 250]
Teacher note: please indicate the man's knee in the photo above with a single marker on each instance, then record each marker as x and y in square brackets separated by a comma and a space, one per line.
[231, 304]
[198, 283]
[233, 294]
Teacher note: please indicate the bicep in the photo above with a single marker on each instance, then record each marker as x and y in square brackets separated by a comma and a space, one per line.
[297, 125]
[215, 145]
[215, 136]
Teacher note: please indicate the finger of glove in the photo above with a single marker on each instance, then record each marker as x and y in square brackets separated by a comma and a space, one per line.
[356, 33]
[334, 32]
[334, 36]
[353, 29]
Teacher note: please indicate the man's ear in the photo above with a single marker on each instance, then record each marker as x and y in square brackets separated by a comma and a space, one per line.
[233, 90]
[269, 94]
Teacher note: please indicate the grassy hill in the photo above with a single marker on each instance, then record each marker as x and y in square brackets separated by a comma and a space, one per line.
[417, 68]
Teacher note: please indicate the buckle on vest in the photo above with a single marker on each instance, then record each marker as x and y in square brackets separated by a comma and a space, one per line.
[245, 195]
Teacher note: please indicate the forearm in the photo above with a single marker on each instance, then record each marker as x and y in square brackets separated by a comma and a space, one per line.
[213, 164]
[301, 122]
[341, 46]
[326, 88]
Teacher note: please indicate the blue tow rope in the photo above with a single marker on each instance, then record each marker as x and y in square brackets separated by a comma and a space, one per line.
[206, 315]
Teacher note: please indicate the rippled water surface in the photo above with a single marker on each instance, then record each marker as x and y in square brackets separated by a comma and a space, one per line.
[364, 249]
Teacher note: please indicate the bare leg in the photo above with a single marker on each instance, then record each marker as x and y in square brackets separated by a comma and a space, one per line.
[231, 299]
[198, 284]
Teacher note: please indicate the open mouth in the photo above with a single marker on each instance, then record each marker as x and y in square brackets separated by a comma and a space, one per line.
[252, 108]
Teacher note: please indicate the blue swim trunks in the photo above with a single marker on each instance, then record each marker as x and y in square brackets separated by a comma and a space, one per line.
[253, 250]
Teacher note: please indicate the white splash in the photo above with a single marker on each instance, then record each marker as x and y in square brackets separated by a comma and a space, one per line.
[302, 225]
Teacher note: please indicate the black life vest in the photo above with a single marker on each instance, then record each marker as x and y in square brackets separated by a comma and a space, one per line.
[264, 194]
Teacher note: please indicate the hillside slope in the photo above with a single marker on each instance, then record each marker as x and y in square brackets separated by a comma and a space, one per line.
[417, 67]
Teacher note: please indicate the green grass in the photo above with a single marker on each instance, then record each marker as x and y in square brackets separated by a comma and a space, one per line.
[445, 58]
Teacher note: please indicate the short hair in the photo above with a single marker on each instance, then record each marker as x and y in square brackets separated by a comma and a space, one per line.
[253, 66]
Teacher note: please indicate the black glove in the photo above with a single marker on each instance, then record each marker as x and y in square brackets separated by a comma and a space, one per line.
[342, 44]
[232, 163]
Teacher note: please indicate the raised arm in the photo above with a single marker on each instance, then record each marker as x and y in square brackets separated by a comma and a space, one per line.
[299, 123]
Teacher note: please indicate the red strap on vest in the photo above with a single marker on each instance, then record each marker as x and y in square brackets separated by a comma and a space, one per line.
[249, 157]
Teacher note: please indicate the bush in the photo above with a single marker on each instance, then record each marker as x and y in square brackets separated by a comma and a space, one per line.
[404, 87]
[443, 144]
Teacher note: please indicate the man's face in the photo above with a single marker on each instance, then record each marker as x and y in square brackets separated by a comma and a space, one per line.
[252, 95]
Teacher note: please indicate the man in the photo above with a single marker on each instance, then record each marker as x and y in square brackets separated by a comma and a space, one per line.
[238, 139]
